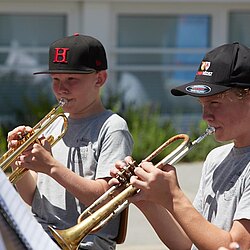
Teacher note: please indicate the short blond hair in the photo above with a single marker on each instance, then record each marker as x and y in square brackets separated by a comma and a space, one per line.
[240, 93]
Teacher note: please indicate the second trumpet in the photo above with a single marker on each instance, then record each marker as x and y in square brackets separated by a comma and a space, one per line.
[110, 203]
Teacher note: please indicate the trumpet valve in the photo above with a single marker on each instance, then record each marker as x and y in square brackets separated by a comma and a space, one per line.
[124, 175]
[22, 137]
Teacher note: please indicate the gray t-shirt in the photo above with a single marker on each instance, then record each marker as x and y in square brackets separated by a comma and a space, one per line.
[224, 191]
[90, 148]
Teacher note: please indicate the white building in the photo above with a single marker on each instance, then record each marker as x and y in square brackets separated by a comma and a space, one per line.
[152, 45]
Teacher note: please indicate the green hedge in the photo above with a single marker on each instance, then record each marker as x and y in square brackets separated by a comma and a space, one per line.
[147, 131]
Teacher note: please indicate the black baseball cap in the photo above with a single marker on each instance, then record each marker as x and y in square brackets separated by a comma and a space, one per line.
[77, 54]
[222, 68]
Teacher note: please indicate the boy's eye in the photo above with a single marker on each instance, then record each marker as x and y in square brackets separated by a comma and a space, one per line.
[72, 80]
[55, 81]
[214, 104]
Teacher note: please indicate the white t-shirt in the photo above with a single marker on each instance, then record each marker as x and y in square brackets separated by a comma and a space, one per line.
[90, 148]
[224, 191]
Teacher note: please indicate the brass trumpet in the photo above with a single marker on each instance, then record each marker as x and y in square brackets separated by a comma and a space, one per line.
[29, 138]
[69, 239]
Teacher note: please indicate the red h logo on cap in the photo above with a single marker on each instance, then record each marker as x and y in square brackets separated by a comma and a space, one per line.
[61, 55]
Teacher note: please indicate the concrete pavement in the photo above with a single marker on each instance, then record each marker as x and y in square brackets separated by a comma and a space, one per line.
[140, 235]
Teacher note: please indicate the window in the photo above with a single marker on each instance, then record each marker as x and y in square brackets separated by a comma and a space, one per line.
[239, 31]
[157, 52]
[24, 48]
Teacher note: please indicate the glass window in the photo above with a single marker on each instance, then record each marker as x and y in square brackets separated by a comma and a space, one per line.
[238, 30]
[29, 33]
[24, 48]
[155, 53]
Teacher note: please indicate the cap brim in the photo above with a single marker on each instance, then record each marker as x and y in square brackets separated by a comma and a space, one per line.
[62, 71]
[198, 89]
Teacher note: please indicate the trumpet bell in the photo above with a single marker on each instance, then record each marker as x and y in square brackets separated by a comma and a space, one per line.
[64, 239]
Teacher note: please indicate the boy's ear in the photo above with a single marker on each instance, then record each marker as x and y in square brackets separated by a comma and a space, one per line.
[102, 76]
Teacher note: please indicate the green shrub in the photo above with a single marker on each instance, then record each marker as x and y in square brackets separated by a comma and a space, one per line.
[33, 111]
[147, 131]
[148, 134]
[3, 141]
[30, 115]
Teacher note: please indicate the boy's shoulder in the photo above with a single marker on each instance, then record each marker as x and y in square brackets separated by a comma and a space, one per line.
[223, 149]
[114, 121]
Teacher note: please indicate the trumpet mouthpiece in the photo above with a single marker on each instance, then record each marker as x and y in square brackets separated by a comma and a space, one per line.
[63, 101]
[210, 130]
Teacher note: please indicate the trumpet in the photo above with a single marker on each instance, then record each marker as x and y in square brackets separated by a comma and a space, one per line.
[28, 138]
[97, 215]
